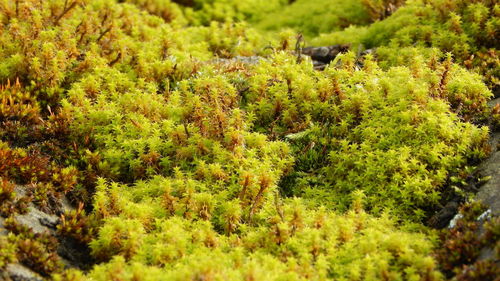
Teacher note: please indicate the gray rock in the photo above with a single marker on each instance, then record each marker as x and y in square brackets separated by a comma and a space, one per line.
[71, 252]
[487, 253]
[66, 206]
[241, 59]
[324, 54]
[20, 191]
[489, 193]
[445, 216]
[494, 102]
[38, 221]
[454, 221]
[318, 65]
[18, 272]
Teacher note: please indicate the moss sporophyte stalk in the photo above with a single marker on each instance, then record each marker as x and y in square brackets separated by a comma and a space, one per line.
[194, 140]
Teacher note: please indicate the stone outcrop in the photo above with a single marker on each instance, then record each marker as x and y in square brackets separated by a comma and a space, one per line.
[489, 193]
[70, 252]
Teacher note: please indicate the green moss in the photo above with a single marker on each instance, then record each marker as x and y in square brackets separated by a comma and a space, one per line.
[7, 252]
[288, 241]
[194, 165]
[355, 129]
[314, 17]
[37, 251]
[464, 28]
[203, 12]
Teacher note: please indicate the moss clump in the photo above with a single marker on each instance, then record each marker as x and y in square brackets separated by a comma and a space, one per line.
[354, 129]
[465, 28]
[283, 239]
[77, 225]
[314, 17]
[7, 252]
[194, 163]
[37, 251]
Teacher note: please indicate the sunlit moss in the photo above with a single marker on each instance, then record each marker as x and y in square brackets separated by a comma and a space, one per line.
[188, 161]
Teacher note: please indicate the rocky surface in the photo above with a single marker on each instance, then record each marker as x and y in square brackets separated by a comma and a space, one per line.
[71, 253]
[324, 54]
[38, 221]
[320, 56]
[19, 272]
[240, 59]
[489, 193]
